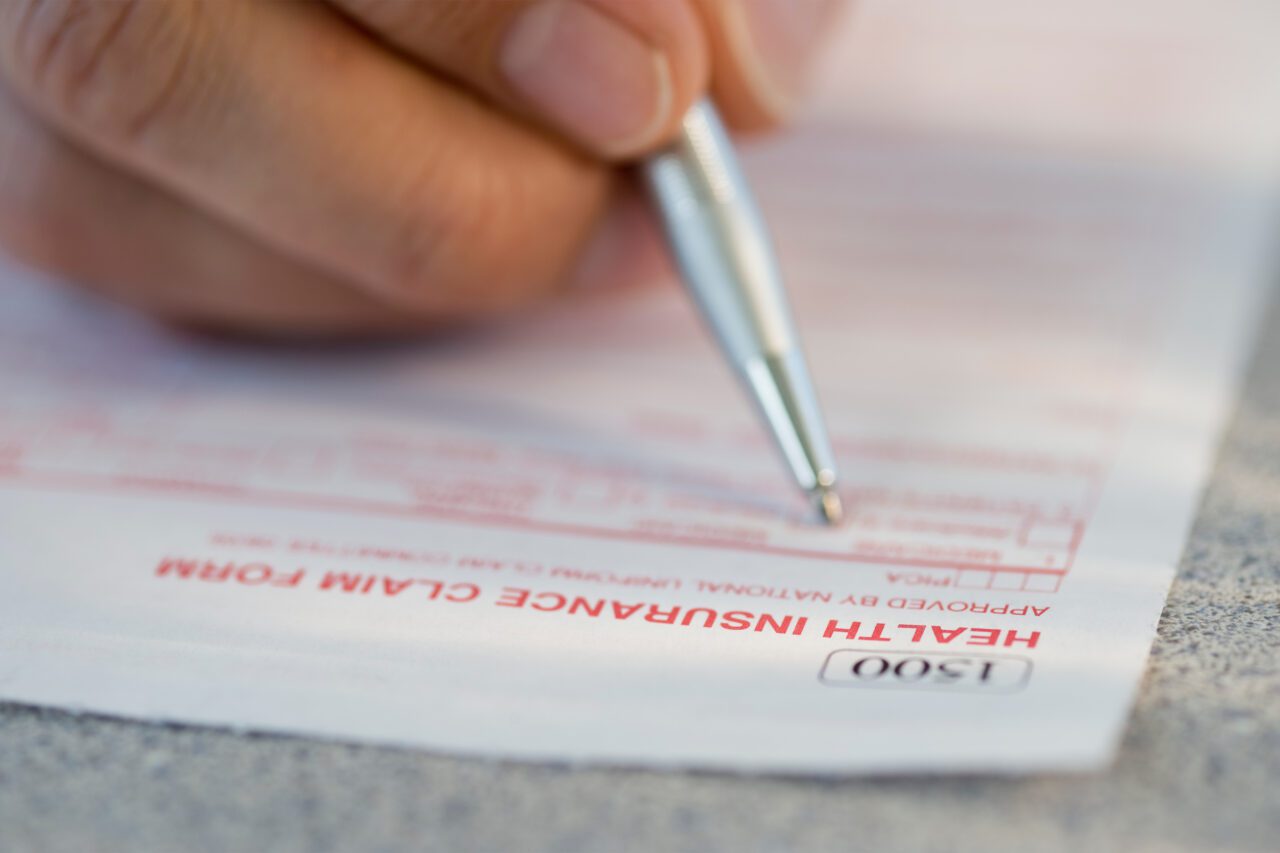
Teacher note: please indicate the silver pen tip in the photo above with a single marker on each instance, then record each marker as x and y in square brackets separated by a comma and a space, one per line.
[829, 505]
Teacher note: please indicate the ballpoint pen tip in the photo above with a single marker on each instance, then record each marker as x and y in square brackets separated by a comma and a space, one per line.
[830, 506]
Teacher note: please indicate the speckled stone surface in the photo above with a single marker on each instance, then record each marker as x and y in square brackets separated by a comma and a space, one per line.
[1199, 768]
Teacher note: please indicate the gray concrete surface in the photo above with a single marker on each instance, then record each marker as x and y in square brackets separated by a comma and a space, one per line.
[1199, 769]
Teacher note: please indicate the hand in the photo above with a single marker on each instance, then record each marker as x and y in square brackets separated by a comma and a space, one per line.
[296, 167]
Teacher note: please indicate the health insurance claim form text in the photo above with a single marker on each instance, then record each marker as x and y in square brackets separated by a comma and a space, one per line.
[1025, 247]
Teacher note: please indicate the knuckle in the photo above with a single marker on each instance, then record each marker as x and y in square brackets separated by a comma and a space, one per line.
[446, 254]
[110, 67]
[506, 239]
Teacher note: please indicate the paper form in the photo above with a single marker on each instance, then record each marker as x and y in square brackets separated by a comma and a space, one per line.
[568, 538]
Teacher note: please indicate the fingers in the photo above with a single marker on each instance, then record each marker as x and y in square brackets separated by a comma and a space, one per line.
[286, 122]
[70, 215]
[762, 53]
[279, 167]
[615, 76]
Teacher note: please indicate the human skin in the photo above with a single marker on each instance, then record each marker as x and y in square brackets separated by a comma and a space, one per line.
[299, 168]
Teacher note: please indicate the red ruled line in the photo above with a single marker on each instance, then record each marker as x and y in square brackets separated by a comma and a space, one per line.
[115, 484]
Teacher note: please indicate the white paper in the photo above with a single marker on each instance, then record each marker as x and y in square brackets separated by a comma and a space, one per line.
[1026, 253]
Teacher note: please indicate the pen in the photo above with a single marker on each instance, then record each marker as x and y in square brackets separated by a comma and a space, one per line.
[727, 261]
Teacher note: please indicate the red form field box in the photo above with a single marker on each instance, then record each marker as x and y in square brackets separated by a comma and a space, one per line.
[1045, 533]
[1011, 580]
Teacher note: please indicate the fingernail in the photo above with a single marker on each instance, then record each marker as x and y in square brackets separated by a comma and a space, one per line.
[775, 42]
[588, 74]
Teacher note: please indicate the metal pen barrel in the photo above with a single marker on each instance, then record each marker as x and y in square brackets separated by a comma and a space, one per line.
[726, 257]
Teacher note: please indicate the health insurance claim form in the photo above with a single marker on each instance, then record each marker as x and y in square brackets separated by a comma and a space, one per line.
[1026, 248]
